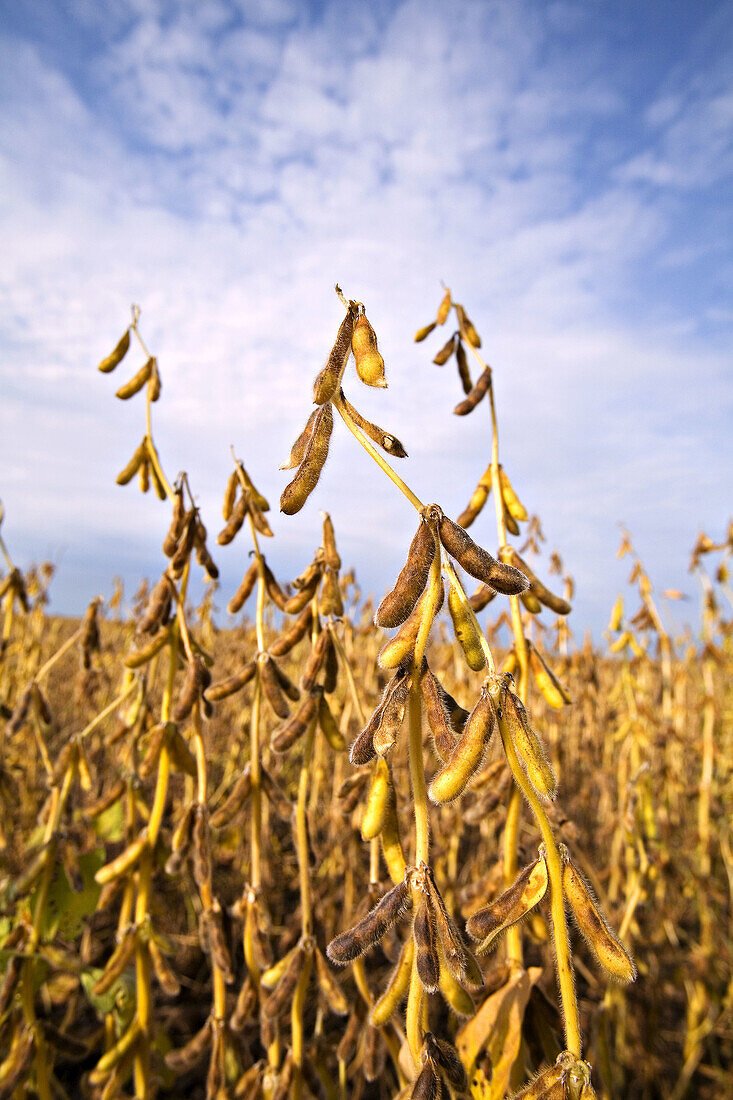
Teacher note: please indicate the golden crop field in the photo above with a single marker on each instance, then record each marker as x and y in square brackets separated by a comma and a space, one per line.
[339, 852]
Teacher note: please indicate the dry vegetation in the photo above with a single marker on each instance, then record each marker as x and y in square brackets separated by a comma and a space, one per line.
[302, 858]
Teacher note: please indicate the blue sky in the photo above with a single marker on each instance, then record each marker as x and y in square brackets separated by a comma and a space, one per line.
[565, 167]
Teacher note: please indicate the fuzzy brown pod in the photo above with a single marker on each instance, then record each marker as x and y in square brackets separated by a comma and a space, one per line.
[235, 800]
[328, 382]
[476, 395]
[185, 545]
[467, 328]
[446, 351]
[198, 678]
[427, 1084]
[605, 945]
[425, 936]
[401, 600]
[446, 1057]
[295, 603]
[244, 1011]
[285, 736]
[331, 601]
[385, 720]
[273, 587]
[315, 661]
[330, 552]
[128, 472]
[234, 523]
[457, 955]
[137, 381]
[188, 1056]
[259, 519]
[369, 362]
[230, 495]
[478, 562]
[390, 444]
[469, 751]
[290, 689]
[555, 603]
[117, 355]
[482, 597]
[176, 527]
[527, 891]
[232, 684]
[364, 935]
[244, 591]
[270, 681]
[294, 633]
[436, 712]
[297, 451]
[464, 372]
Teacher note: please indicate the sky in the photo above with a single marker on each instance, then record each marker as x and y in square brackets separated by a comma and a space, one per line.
[565, 167]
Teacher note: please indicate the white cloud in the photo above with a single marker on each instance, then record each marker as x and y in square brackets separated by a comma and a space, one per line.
[226, 174]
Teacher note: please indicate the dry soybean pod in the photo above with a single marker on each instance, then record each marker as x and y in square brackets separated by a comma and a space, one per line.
[425, 935]
[297, 492]
[137, 381]
[464, 622]
[555, 603]
[528, 745]
[476, 395]
[244, 591]
[604, 944]
[478, 562]
[527, 891]
[468, 753]
[400, 602]
[369, 362]
[328, 382]
[396, 988]
[388, 910]
[436, 713]
[464, 372]
[224, 688]
[122, 347]
[390, 444]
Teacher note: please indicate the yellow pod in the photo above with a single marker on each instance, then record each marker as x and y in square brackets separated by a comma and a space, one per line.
[137, 381]
[117, 355]
[606, 947]
[444, 309]
[617, 615]
[378, 801]
[620, 643]
[115, 1054]
[272, 976]
[128, 472]
[515, 723]
[530, 601]
[397, 987]
[124, 861]
[453, 993]
[422, 333]
[511, 500]
[391, 845]
[467, 755]
[369, 363]
[465, 627]
[553, 691]
[402, 645]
